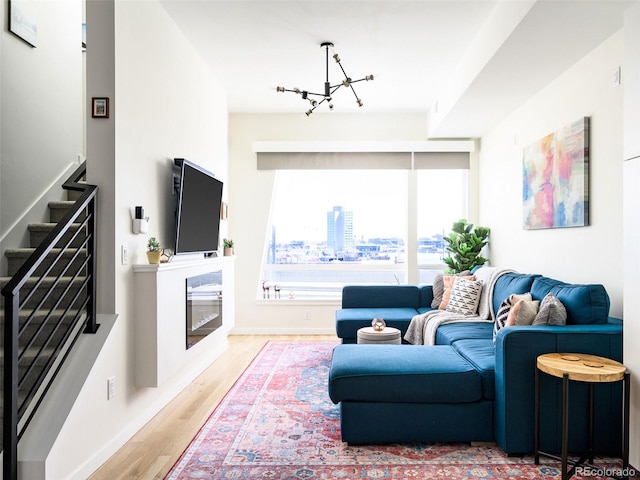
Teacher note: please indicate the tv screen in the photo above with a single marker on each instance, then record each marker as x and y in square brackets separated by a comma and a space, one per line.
[198, 209]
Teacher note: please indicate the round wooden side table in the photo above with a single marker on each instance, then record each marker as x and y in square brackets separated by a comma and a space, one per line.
[590, 369]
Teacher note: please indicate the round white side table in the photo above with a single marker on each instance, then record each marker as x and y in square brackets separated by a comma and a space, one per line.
[387, 336]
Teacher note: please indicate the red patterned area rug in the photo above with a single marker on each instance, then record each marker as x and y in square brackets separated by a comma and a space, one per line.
[278, 423]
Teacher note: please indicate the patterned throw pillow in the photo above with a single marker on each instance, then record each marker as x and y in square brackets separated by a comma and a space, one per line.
[465, 296]
[448, 285]
[501, 317]
[552, 312]
[523, 312]
[505, 308]
[438, 288]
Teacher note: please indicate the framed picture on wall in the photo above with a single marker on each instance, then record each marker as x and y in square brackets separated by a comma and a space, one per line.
[100, 107]
[23, 20]
[556, 179]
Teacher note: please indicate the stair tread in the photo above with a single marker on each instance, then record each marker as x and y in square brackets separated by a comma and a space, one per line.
[19, 252]
[46, 280]
[43, 312]
[47, 226]
[61, 203]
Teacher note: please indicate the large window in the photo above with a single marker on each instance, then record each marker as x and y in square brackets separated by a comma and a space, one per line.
[338, 216]
[442, 199]
[335, 227]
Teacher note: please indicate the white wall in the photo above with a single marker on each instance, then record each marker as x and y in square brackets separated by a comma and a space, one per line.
[165, 103]
[249, 204]
[40, 128]
[586, 254]
[631, 171]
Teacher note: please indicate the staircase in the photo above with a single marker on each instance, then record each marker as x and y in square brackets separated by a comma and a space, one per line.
[48, 299]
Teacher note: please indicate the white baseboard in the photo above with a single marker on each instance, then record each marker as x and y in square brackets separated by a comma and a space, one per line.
[283, 331]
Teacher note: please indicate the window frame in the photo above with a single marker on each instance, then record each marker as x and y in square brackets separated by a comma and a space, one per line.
[369, 156]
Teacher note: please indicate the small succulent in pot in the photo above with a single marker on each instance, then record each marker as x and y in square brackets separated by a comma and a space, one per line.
[153, 245]
[153, 250]
[228, 246]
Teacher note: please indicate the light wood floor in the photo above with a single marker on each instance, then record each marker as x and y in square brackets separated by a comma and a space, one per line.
[152, 451]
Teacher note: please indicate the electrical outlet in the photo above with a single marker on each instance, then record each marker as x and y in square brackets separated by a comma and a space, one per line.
[616, 77]
[307, 314]
[111, 387]
[124, 255]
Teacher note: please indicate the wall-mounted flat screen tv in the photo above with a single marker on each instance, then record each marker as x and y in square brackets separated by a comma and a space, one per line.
[199, 198]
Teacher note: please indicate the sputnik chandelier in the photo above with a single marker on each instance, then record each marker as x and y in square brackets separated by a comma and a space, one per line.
[329, 89]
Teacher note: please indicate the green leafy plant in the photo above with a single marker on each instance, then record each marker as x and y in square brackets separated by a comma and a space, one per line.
[227, 242]
[464, 244]
[153, 245]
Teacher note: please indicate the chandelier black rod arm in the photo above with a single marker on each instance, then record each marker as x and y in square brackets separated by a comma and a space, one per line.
[343, 72]
[299, 92]
[354, 91]
[316, 94]
[356, 81]
[338, 85]
[326, 62]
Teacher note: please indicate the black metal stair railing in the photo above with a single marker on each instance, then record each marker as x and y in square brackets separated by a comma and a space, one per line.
[50, 299]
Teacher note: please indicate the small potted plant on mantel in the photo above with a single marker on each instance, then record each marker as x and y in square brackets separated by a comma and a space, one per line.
[228, 247]
[153, 250]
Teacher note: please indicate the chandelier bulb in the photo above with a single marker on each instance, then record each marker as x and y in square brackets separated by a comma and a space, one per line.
[331, 106]
[280, 89]
[359, 102]
[346, 83]
[368, 77]
[336, 58]
[297, 90]
[308, 112]
[313, 103]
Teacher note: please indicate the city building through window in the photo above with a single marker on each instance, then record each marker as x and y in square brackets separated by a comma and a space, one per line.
[330, 228]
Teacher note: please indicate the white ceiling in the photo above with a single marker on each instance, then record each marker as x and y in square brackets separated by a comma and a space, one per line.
[477, 59]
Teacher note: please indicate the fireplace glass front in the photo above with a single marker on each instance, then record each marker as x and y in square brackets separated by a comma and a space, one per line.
[204, 306]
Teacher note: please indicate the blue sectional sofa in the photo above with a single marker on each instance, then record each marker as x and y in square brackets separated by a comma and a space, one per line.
[466, 387]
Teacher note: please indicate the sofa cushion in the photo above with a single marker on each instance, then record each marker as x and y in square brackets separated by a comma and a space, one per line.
[511, 283]
[380, 296]
[449, 280]
[448, 333]
[523, 312]
[402, 374]
[502, 315]
[425, 309]
[425, 293]
[438, 288]
[552, 312]
[481, 353]
[465, 296]
[585, 303]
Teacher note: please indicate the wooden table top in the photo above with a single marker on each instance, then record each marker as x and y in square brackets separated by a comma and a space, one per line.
[581, 367]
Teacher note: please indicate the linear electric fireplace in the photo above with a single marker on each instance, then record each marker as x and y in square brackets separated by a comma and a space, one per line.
[204, 305]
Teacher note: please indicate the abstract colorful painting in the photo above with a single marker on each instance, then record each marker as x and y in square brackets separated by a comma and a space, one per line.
[555, 180]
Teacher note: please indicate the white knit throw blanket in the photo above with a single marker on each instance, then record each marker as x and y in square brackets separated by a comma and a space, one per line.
[422, 329]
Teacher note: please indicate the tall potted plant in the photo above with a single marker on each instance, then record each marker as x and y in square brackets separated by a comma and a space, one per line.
[464, 245]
